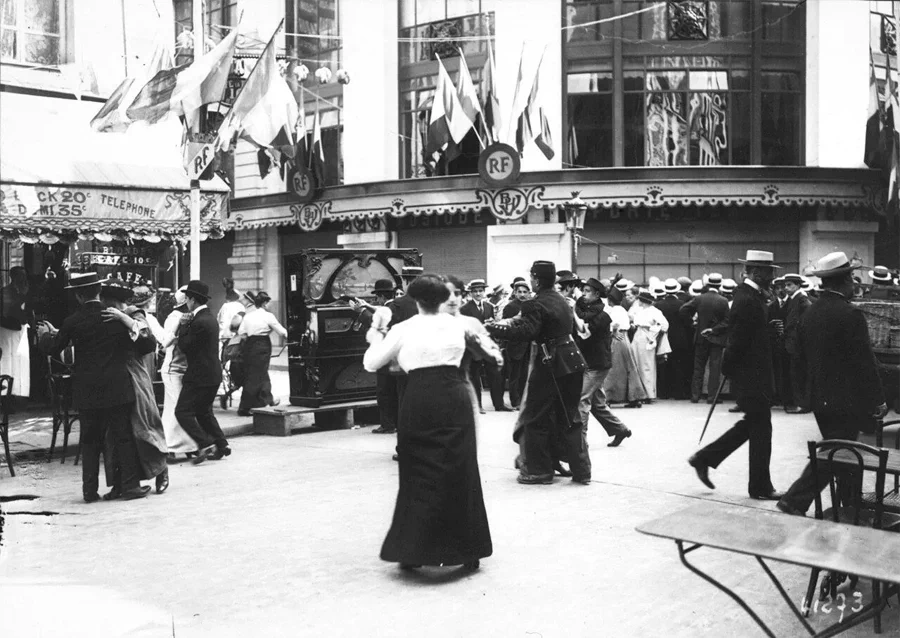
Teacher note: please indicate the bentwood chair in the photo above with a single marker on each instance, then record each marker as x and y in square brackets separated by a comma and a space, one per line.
[6, 386]
[845, 482]
[59, 383]
[892, 497]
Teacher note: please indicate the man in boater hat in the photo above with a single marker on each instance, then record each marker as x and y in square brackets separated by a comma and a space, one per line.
[553, 392]
[747, 362]
[101, 386]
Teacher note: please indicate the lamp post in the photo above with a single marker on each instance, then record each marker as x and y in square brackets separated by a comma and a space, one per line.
[576, 211]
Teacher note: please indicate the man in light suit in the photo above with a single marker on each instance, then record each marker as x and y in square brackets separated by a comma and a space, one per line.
[483, 310]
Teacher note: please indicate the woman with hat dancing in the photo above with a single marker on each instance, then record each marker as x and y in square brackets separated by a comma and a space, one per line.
[255, 330]
[439, 518]
[146, 423]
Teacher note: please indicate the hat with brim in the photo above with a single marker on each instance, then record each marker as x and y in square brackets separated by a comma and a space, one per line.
[833, 265]
[516, 281]
[622, 285]
[84, 279]
[728, 285]
[116, 289]
[411, 271]
[793, 278]
[596, 285]
[247, 295]
[695, 288]
[646, 297]
[569, 279]
[759, 258]
[383, 287]
[197, 288]
[521, 284]
[672, 285]
[684, 282]
[476, 284]
[713, 280]
[141, 299]
[615, 295]
[881, 275]
[499, 288]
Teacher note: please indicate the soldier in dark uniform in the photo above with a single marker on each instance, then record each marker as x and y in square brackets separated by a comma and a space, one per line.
[554, 384]
[747, 362]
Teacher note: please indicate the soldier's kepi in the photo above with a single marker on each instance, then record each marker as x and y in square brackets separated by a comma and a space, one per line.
[549, 426]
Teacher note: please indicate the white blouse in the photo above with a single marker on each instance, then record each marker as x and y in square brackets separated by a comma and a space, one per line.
[652, 318]
[259, 323]
[422, 341]
[619, 316]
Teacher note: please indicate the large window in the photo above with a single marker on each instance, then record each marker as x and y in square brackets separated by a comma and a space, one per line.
[33, 31]
[418, 75]
[882, 40]
[685, 83]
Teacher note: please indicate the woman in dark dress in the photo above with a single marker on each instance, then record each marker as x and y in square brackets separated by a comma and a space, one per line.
[255, 329]
[439, 518]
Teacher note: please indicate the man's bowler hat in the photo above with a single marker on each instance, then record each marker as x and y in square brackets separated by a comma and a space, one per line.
[84, 279]
[116, 289]
[197, 288]
[383, 287]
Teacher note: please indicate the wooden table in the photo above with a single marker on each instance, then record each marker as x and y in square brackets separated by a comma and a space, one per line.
[809, 542]
[847, 458]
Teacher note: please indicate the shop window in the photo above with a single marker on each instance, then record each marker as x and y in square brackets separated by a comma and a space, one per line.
[33, 31]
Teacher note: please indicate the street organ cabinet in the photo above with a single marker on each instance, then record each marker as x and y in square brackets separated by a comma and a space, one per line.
[327, 340]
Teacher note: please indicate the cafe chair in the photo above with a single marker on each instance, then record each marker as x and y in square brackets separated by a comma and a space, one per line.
[892, 497]
[59, 384]
[845, 480]
[6, 385]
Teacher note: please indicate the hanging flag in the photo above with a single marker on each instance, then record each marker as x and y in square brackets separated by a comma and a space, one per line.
[490, 116]
[520, 77]
[448, 124]
[112, 118]
[184, 89]
[317, 153]
[872, 156]
[468, 97]
[573, 144]
[524, 126]
[544, 140]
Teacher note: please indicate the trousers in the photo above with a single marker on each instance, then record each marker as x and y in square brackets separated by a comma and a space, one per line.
[194, 412]
[494, 379]
[96, 424]
[517, 372]
[593, 401]
[705, 351]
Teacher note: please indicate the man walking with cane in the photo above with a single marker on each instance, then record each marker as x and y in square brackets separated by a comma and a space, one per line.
[747, 361]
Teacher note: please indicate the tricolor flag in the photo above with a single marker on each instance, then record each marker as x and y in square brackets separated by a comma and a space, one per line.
[448, 124]
[112, 118]
[468, 97]
[317, 153]
[490, 116]
[184, 89]
[872, 155]
[265, 111]
[891, 139]
[524, 126]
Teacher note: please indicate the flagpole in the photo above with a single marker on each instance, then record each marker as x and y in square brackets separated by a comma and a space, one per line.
[512, 108]
[197, 10]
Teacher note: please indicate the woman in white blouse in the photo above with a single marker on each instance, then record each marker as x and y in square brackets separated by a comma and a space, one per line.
[255, 330]
[439, 518]
[623, 383]
[651, 326]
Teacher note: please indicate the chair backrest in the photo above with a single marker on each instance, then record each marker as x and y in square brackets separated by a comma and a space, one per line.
[845, 478]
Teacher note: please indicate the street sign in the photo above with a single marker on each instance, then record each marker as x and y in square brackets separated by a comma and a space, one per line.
[201, 158]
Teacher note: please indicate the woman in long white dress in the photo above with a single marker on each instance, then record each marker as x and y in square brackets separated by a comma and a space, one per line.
[651, 325]
[623, 383]
[173, 367]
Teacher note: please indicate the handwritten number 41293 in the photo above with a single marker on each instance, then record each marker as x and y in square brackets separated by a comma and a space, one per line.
[839, 604]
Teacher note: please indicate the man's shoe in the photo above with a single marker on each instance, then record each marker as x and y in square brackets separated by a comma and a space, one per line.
[136, 492]
[735, 408]
[220, 453]
[582, 480]
[767, 496]
[91, 498]
[789, 509]
[223, 401]
[396, 457]
[559, 470]
[503, 408]
[617, 440]
[245, 413]
[482, 410]
[695, 399]
[534, 479]
[112, 495]
[702, 470]
[383, 430]
[162, 481]
[203, 454]
[793, 410]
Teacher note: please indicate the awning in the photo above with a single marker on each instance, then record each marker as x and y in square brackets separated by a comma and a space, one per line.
[60, 180]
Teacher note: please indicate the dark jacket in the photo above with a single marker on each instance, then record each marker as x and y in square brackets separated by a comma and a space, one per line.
[516, 350]
[596, 348]
[12, 315]
[199, 340]
[102, 351]
[470, 309]
[747, 359]
[402, 309]
[792, 313]
[711, 309]
[681, 332]
[842, 374]
[545, 317]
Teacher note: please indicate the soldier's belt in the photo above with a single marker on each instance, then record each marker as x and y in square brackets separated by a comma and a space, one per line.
[558, 341]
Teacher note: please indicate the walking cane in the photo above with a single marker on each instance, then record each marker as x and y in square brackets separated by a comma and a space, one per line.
[711, 408]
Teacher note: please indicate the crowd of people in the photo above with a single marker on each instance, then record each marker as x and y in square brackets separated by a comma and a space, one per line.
[566, 348]
[117, 341]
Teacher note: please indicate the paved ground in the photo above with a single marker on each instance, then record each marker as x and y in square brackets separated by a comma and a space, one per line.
[282, 539]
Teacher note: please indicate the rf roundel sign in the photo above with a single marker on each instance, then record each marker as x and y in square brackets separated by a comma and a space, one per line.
[301, 183]
[499, 165]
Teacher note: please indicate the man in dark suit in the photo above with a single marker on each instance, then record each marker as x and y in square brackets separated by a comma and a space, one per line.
[796, 399]
[711, 310]
[101, 385]
[198, 339]
[598, 358]
[675, 373]
[845, 390]
[554, 387]
[747, 361]
[483, 310]
[516, 352]
[780, 358]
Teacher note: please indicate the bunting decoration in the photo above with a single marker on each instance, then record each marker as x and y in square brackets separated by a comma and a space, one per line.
[317, 153]
[524, 125]
[448, 124]
[490, 117]
[872, 155]
[112, 117]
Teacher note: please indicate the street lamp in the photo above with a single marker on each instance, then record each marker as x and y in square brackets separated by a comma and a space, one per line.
[576, 211]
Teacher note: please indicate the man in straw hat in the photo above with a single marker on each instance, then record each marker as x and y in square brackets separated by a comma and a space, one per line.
[675, 372]
[101, 386]
[711, 310]
[845, 390]
[883, 286]
[198, 339]
[747, 361]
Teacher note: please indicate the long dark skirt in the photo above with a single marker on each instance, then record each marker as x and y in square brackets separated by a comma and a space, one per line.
[439, 518]
[257, 391]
